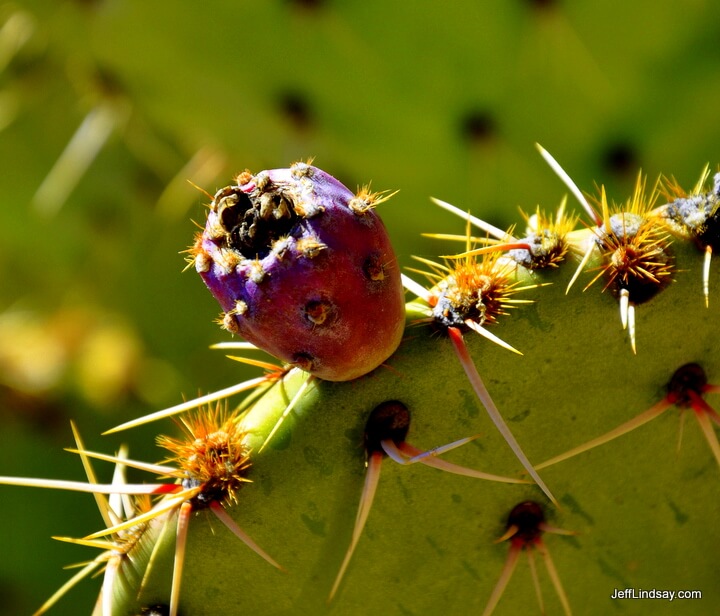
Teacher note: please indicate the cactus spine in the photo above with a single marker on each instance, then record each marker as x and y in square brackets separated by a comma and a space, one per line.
[429, 541]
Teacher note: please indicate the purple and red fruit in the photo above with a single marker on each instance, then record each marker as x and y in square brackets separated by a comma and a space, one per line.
[304, 269]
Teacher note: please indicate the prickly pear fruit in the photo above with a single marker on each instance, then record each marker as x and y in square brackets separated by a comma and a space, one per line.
[304, 269]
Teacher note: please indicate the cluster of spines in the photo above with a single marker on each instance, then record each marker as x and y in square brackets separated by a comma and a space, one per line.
[467, 294]
[207, 467]
[695, 215]
[631, 242]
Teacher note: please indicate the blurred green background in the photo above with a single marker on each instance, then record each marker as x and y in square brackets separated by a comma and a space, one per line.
[108, 107]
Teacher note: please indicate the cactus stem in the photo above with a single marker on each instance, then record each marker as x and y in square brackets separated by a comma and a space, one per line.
[482, 393]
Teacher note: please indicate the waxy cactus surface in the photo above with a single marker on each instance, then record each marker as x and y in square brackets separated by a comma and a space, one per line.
[361, 529]
[324, 477]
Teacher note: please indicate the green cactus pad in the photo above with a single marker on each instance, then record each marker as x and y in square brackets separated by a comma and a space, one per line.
[643, 509]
